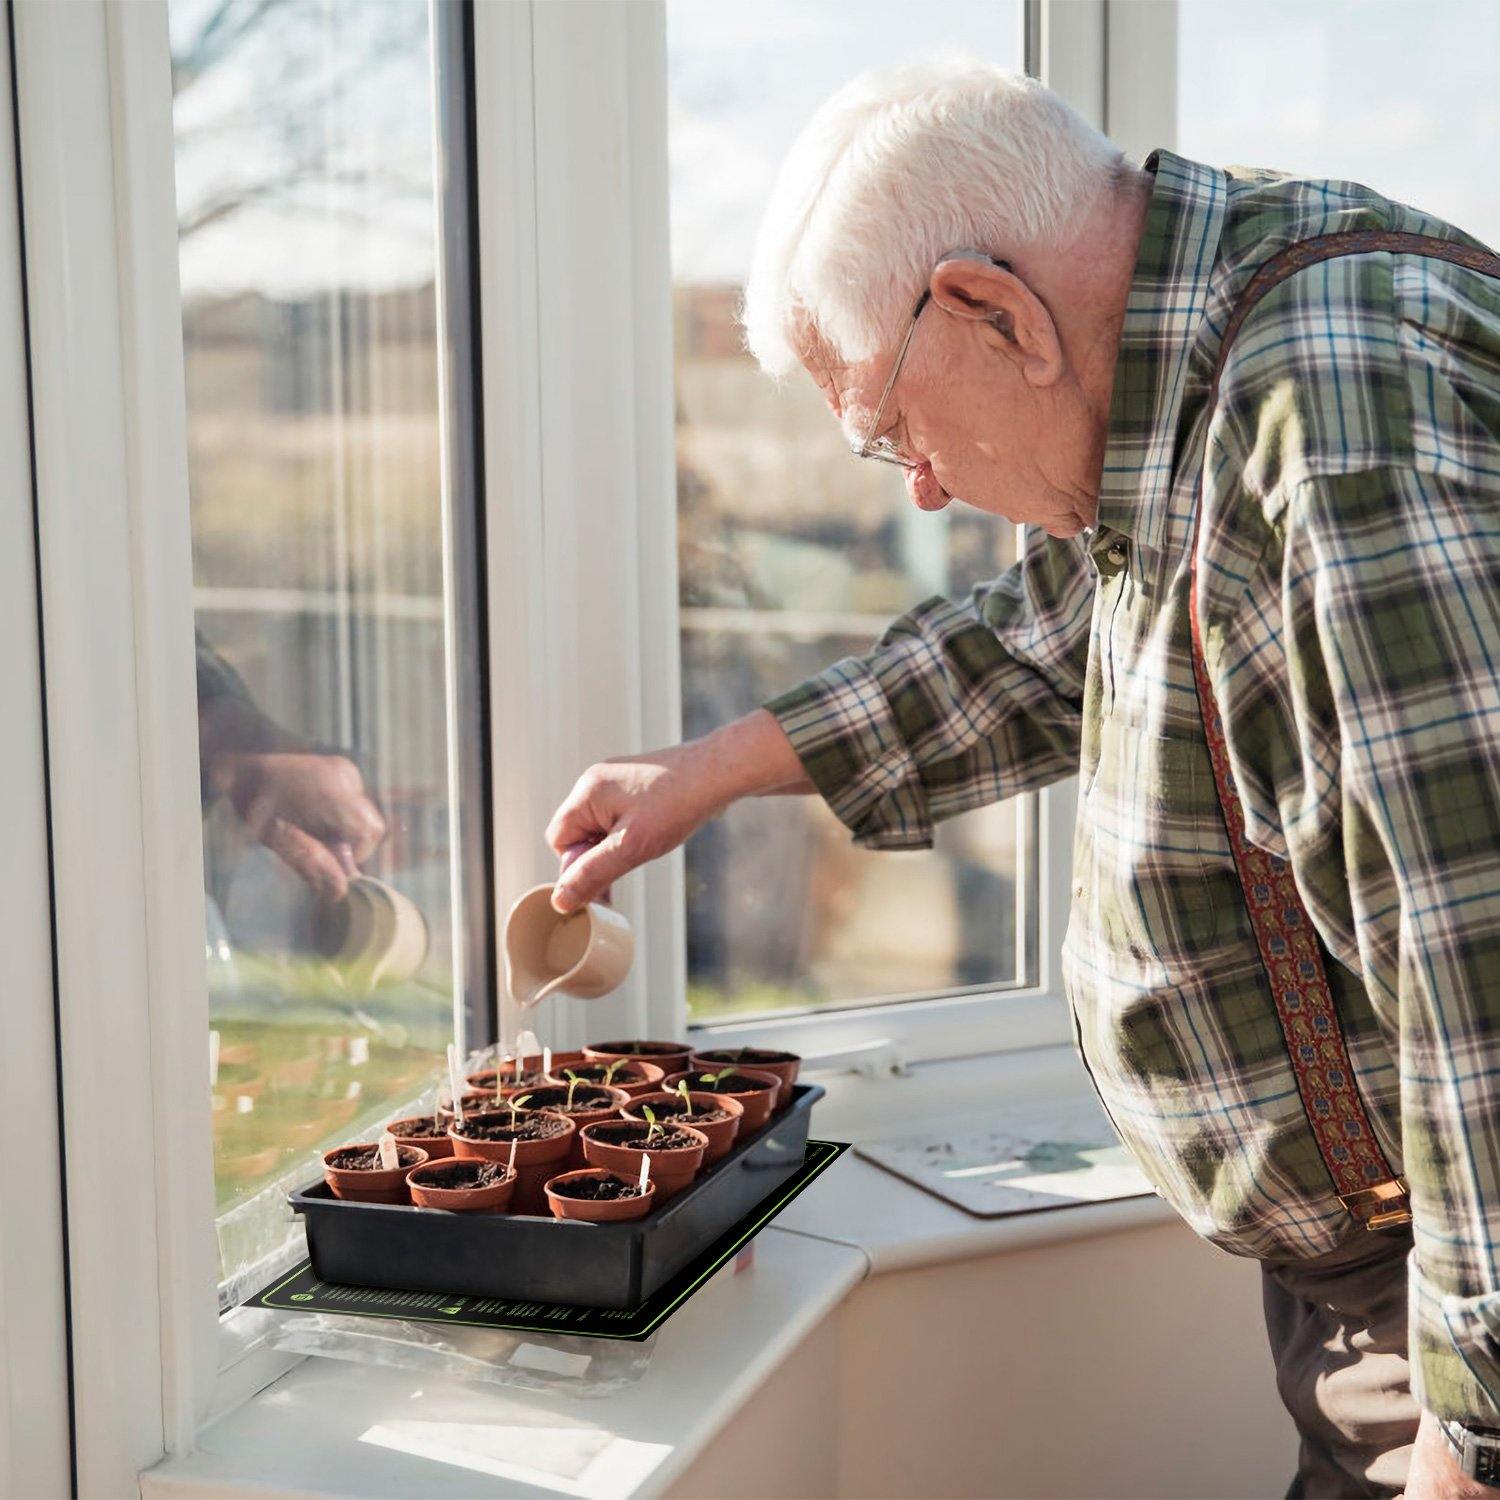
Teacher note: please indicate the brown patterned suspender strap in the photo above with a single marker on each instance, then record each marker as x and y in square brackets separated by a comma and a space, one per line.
[1288, 943]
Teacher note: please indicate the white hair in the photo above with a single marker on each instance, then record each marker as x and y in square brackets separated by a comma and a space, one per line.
[900, 166]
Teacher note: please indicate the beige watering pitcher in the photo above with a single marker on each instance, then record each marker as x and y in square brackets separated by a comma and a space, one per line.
[584, 954]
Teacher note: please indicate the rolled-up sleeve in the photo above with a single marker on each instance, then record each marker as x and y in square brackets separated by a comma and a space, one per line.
[958, 704]
[1401, 572]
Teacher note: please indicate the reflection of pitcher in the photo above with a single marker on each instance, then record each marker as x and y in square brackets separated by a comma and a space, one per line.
[375, 936]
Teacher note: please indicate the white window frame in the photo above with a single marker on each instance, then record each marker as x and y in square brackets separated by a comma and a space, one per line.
[35, 1441]
[575, 339]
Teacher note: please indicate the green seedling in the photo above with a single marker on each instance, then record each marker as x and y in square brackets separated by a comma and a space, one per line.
[687, 1098]
[713, 1080]
[573, 1081]
[654, 1130]
[612, 1069]
[515, 1106]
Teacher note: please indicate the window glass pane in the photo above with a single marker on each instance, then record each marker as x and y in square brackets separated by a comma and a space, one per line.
[310, 245]
[1401, 95]
[793, 553]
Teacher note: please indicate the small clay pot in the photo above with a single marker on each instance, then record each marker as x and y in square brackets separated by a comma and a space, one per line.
[536, 1160]
[371, 1184]
[755, 1090]
[671, 1169]
[670, 1057]
[434, 1145]
[636, 1077]
[426, 1193]
[784, 1065]
[598, 1210]
[552, 1097]
[720, 1133]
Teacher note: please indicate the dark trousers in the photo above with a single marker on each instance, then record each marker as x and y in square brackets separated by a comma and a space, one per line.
[1338, 1328]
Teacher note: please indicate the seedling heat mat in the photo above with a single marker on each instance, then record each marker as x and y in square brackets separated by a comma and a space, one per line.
[302, 1291]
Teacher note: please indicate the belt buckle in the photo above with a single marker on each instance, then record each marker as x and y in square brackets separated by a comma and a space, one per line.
[1393, 1193]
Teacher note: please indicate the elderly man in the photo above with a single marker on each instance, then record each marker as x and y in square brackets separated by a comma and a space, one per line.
[1256, 421]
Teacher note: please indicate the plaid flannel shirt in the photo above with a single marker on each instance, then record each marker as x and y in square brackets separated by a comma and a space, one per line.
[1350, 597]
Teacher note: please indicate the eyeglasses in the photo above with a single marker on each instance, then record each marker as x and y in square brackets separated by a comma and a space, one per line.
[882, 449]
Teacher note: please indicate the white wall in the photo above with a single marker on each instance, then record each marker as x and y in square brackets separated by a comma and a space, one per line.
[1129, 1365]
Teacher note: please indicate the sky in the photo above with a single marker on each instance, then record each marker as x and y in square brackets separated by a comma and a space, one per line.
[1401, 94]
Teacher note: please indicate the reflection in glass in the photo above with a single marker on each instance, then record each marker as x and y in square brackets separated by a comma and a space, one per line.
[309, 245]
[793, 554]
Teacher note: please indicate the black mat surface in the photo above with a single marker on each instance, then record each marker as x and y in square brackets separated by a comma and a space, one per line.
[301, 1291]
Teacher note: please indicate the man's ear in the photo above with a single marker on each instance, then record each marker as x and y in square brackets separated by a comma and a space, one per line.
[1016, 323]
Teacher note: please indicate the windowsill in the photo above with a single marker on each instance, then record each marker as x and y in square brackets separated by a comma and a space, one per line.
[328, 1428]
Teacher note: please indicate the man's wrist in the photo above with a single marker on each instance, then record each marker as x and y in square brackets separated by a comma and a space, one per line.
[750, 757]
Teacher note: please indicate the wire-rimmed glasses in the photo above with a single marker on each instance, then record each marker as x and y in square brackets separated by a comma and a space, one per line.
[882, 449]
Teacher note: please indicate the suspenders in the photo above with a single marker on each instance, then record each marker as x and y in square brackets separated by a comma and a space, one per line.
[1288, 943]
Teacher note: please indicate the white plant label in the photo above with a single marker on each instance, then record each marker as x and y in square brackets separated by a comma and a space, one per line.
[510, 1161]
[645, 1170]
[390, 1157]
[547, 1061]
[455, 1083]
[527, 1045]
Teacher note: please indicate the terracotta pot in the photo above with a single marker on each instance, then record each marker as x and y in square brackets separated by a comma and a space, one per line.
[484, 1080]
[536, 1161]
[635, 1077]
[598, 1210]
[434, 1145]
[552, 1096]
[671, 1170]
[784, 1065]
[494, 1199]
[720, 1133]
[755, 1090]
[670, 1057]
[362, 1185]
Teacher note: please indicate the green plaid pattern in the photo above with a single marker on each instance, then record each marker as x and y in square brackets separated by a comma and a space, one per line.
[1350, 597]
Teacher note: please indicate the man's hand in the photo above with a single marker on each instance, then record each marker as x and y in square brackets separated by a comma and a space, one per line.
[310, 810]
[639, 807]
[1435, 1473]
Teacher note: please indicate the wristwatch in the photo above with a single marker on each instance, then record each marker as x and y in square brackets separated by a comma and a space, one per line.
[1477, 1450]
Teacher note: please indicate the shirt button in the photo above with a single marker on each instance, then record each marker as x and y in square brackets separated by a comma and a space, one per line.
[1115, 554]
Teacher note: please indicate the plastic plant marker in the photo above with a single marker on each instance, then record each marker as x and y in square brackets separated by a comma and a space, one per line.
[645, 1170]
[547, 1061]
[527, 1045]
[455, 1083]
[510, 1161]
[390, 1157]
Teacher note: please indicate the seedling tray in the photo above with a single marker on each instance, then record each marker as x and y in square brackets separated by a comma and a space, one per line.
[519, 1258]
[301, 1290]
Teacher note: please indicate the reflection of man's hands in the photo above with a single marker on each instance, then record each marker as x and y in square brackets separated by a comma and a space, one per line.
[311, 810]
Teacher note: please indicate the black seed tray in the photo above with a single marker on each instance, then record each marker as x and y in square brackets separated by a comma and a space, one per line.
[521, 1258]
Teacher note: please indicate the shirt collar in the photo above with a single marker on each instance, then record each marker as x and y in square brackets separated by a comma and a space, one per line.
[1168, 293]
